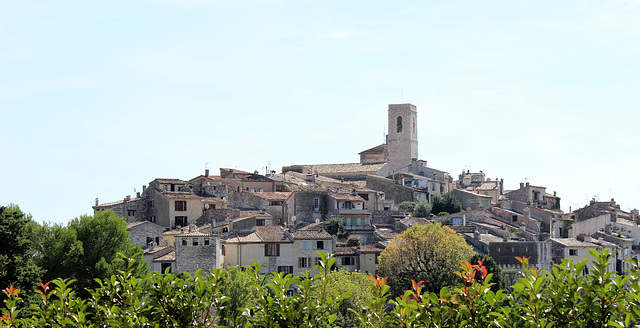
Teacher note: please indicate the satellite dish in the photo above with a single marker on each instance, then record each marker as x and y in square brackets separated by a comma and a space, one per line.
[293, 218]
[206, 206]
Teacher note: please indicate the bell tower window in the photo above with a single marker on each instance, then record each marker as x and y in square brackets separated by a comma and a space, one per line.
[399, 124]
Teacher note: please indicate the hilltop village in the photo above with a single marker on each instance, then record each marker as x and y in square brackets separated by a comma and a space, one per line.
[280, 218]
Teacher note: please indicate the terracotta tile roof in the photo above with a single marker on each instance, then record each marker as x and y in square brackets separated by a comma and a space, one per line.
[345, 168]
[371, 249]
[109, 204]
[273, 195]
[346, 250]
[311, 234]
[347, 197]
[169, 257]
[386, 233]
[157, 249]
[572, 242]
[174, 181]
[194, 234]
[263, 234]
[135, 224]
[313, 226]
[489, 185]
[181, 195]
[377, 149]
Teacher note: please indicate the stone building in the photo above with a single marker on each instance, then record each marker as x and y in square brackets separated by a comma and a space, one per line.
[402, 137]
[306, 207]
[534, 195]
[280, 249]
[197, 250]
[143, 233]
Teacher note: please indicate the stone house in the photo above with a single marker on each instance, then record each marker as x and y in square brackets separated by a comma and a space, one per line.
[161, 258]
[471, 200]
[197, 250]
[358, 258]
[276, 247]
[538, 252]
[143, 233]
[534, 195]
[270, 202]
[578, 249]
[135, 209]
[306, 207]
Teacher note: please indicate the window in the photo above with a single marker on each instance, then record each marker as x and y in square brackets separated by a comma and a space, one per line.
[271, 249]
[153, 218]
[348, 260]
[184, 241]
[153, 203]
[399, 124]
[363, 221]
[225, 229]
[195, 242]
[286, 269]
[260, 222]
[514, 218]
[304, 244]
[131, 213]
[206, 241]
[319, 244]
[573, 252]
[364, 196]
[303, 262]
[275, 203]
[181, 221]
[317, 261]
[347, 205]
[354, 221]
[316, 204]
[165, 267]
[181, 205]
[344, 221]
[149, 240]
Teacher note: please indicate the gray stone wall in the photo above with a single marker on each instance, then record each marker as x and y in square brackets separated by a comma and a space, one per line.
[396, 192]
[505, 253]
[190, 258]
[218, 215]
[304, 207]
[138, 234]
[385, 217]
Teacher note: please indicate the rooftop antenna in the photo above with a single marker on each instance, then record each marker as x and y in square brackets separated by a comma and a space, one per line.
[206, 165]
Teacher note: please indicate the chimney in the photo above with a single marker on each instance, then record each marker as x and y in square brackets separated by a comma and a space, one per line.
[527, 184]
[206, 173]
[521, 184]
[144, 188]
[96, 201]
[151, 244]
[138, 194]
[554, 193]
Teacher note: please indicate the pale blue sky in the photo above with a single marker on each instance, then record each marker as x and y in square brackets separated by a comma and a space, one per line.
[100, 97]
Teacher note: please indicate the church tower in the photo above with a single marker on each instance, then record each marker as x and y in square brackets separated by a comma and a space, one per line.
[402, 139]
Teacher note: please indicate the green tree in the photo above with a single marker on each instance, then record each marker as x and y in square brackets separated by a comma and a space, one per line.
[237, 285]
[58, 250]
[407, 206]
[100, 238]
[492, 267]
[333, 225]
[17, 265]
[357, 286]
[431, 253]
[448, 203]
[422, 209]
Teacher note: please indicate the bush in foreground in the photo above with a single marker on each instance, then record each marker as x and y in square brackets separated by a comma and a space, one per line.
[564, 297]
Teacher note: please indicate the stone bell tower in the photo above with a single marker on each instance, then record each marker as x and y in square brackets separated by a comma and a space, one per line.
[402, 139]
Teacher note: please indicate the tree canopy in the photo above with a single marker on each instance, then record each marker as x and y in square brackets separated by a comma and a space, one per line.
[431, 253]
[447, 203]
[17, 266]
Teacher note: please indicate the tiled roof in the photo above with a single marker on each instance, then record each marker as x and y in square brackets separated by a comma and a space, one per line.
[263, 234]
[377, 149]
[273, 195]
[572, 242]
[347, 197]
[194, 234]
[157, 249]
[346, 250]
[489, 185]
[174, 181]
[135, 224]
[110, 203]
[181, 195]
[345, 168]
[169, 257]
[311, 234]
[386, 233]
[371, 249]
[313, 226]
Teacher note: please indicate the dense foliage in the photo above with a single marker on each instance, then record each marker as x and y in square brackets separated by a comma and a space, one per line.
[565, 297]
[447, 204]
[431, 253]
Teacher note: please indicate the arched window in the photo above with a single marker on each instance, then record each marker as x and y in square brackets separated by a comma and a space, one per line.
[399, 124]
